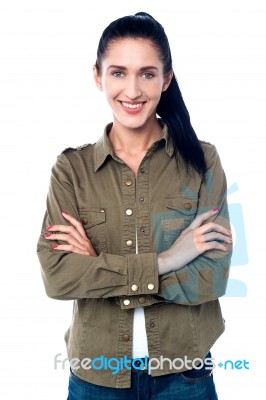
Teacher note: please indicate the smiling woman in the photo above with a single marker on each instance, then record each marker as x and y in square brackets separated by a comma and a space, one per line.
[133, 81]
[137, 232]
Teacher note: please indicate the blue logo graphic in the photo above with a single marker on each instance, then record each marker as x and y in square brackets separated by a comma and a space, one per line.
[230, 364]
[237, 288]
[168, 225]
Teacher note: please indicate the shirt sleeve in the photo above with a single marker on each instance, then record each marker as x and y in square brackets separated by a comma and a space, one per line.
[69, 276]
[205, 278]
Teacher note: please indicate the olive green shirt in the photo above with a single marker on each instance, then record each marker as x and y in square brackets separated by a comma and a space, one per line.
[182, 313]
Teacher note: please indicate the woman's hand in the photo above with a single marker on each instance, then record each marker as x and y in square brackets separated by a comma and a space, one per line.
[193, 241]
[74, 236]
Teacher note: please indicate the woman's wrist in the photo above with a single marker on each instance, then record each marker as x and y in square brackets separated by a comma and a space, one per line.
[163, 263]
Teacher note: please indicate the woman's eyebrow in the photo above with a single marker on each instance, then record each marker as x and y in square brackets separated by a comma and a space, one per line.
[148, 67]
[117, 67]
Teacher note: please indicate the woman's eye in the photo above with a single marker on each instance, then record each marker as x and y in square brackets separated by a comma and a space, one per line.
[117, 74]
[147, 75]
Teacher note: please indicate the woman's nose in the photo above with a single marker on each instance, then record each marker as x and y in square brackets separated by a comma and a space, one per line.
[132, 89]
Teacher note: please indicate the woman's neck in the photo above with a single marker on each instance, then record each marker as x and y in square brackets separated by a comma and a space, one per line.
[134, 141]
[131, 145]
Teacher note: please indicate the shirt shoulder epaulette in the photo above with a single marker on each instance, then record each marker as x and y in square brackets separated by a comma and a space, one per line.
[78, 148]
[67, 150]
[84, 146]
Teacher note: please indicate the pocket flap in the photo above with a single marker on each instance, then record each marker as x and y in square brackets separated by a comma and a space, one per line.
[185, 205]
[92, 217]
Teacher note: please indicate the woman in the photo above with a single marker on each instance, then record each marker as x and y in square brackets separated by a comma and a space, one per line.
[136, 232]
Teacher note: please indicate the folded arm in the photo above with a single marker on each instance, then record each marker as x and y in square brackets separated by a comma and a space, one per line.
[69, 265]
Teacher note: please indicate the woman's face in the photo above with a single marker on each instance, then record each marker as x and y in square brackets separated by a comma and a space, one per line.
[132, 79]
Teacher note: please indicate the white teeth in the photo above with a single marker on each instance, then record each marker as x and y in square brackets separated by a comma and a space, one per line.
[132, 105]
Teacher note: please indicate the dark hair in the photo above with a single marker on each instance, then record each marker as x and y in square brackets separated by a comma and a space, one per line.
[171, 107]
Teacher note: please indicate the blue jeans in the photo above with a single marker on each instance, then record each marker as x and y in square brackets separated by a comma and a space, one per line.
[195, 384]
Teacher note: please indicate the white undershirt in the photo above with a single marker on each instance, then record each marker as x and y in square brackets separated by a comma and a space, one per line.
[140, 344]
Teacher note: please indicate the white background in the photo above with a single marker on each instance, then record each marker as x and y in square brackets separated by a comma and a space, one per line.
[48, 102]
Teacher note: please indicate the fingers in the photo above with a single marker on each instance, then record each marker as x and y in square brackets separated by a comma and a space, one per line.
[74, 236]
[212, 236]
[197, 222]
[77, 224]
[203, 229]
[73, 249]
[73, 245]
[208, 237]
[66, 238]
[215, 240]
[67, 229]
[212, 227]
[213, 245]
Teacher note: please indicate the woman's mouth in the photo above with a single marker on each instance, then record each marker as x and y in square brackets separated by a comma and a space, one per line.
[132, 108]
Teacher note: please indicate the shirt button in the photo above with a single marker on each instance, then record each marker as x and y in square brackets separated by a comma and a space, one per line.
[142, 300]
[134, 288]
[129, 212]
[129, 243]
[141, 199]
[125, 338]
[150, 286]
[126, 302]
[142, 170]
[142, 230]
[152, 325]
[129, 182]
[188, 206]
[84, 221]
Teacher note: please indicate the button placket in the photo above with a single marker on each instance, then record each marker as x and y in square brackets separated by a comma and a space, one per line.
[142, 206]
[151, 317]
[128, 201]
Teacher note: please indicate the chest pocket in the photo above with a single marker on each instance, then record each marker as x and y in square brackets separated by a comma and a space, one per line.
[181, 210]
[94, 223]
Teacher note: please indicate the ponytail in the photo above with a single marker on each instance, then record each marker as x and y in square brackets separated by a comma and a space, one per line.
[174, 113]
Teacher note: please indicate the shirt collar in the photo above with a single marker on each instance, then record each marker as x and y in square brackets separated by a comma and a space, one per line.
[103, 147]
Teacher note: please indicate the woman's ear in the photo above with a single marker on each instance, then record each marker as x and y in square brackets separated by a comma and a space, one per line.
[97, 78]
[167, 81]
